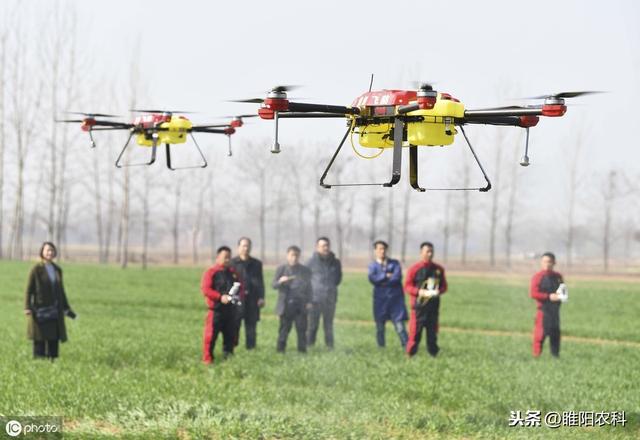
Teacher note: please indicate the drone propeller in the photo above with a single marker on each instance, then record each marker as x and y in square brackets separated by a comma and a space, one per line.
[424, 85]
[285, 88]
[563, 95]
[69, 120]
[93, 115]
[253, 115]
[133, 110]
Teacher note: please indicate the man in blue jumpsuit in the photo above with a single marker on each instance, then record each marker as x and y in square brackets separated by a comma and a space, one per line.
[388, 299]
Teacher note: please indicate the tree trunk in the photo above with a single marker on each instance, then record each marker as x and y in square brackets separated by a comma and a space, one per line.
[465, 215]
[390, 215]
[495, 203]
[145, 220]
[176, 224]
[3, 58]
[446, 230]
[405, 223]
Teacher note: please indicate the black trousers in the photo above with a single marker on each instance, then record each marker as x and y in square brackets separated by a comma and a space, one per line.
[424, 318]
[225, 324]
[46, 349]
[250, 315]
[293, 313]
[326, 309]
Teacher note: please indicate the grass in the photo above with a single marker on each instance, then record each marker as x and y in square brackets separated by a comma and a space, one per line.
[132, 366]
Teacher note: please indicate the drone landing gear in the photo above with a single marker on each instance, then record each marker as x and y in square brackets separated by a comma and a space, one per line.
[413, 170]
[525, 159]
[168, 151]
[399, 134]
[154, 148]
[398, 137]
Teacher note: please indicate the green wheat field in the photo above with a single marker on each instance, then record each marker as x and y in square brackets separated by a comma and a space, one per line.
[132, 369]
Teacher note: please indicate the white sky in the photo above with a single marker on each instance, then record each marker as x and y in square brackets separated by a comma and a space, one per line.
[196, 54]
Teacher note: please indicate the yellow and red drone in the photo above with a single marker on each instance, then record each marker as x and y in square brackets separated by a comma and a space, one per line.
[156, 127]
[409, 118]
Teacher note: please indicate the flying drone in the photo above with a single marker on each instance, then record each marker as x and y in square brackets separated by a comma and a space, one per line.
[408, 118]
[156, 127]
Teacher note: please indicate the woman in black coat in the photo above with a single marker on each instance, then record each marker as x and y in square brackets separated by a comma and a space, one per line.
[46, 304]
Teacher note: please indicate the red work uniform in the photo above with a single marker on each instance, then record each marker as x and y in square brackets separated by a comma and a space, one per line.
[217, 281]
[547, 322]
[424, 313]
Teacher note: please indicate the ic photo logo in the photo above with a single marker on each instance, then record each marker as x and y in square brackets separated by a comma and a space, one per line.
[13, 428]
[49, 427]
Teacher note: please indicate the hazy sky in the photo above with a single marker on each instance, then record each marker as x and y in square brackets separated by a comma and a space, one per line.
[196, 54]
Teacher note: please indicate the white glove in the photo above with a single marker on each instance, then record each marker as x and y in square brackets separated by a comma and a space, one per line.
[234, 289]
[563, 292]
[433, 293]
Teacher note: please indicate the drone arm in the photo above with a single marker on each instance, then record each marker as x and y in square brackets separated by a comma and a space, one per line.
[533, 111]
[208, 130]
[310, 115]
[491, 120]
[322, 108]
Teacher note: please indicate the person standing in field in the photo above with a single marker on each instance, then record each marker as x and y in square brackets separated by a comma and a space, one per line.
[46, 305]
[388, 300]
[326, 275]
[293, 282]
[547, 288]
[221, 287]
[250, 271]
[425, 284]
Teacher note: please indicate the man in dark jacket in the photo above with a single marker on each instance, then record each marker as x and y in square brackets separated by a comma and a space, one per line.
[293, 282]
[424, 284]
[250, 271]
[326, 275]
[388, 300]
[218, 289]
[545, 287]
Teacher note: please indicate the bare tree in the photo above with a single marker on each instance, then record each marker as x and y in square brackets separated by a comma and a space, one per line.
[146, 223]
[3, 59]
[405, 222]
[493, 223]
[573, 187]
[197, 225]
[175, 229]
[465, 214]
[375, 201]
[512, 208]
[390, 218]
[446, 227]
[26, 106]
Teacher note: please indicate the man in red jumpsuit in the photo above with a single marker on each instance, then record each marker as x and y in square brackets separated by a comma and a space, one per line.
[424, 284]
[217, 283]
[544, 288]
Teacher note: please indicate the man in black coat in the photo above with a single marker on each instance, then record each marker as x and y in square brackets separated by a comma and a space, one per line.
[326, 275]
[250, 271]
[293, 282]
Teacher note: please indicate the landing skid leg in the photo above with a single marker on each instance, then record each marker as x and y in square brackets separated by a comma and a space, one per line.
[413, 168]
[168, 151]
[475, 156]
[398, 138]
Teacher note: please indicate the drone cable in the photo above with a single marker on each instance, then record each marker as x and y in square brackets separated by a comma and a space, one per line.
[353, 146]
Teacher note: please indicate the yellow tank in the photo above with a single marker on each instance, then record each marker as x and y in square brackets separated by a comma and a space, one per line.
[172, 132]
[376, 136]
[433, 131]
